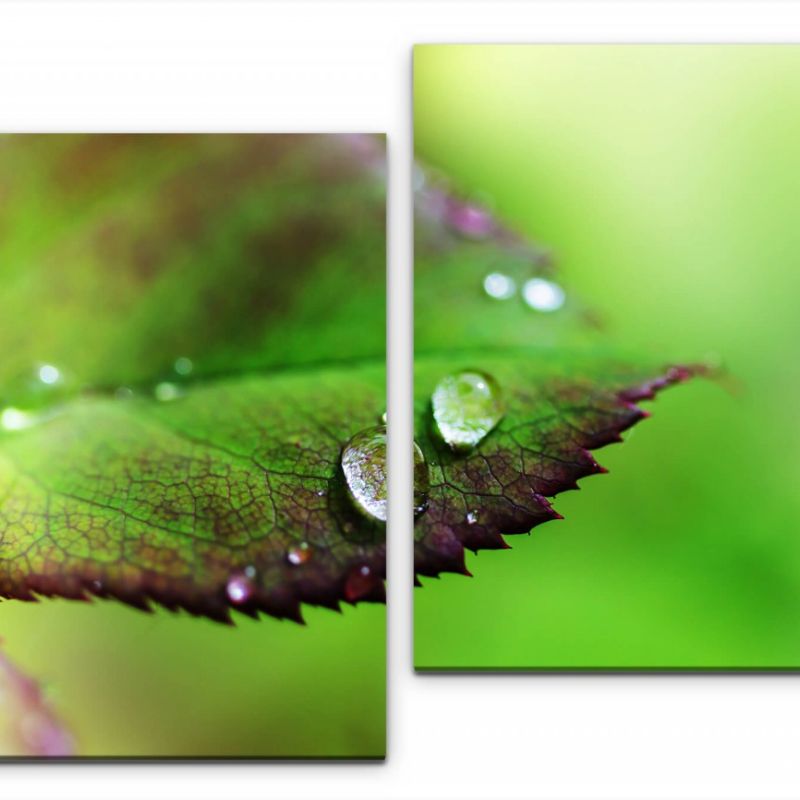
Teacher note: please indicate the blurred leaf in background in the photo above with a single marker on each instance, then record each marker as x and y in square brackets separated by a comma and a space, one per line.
[193, 328]
[663, 179]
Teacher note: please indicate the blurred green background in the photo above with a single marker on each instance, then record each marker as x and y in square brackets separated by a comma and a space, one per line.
[667, 181]
[128, 683]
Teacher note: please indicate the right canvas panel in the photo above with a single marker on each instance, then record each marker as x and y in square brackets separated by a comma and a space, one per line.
[595, 226]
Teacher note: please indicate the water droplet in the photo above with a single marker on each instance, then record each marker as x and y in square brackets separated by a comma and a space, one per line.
[250, 571]
[385, 417]
[422, 481]
[49, 374]
[239, 589]
[472, 517]
[466, 407]
[321, 493]
[183, 366]
[165, 392]
[499, 286]
[13, 419]
[301, 554]
[543, 295]
[469, 220]
[364, 467]
[123, 393]
[361, 581]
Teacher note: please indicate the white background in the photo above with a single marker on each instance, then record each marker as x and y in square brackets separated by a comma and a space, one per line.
[336, 66]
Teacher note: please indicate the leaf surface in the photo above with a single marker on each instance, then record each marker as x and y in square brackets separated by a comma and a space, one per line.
[209, 315]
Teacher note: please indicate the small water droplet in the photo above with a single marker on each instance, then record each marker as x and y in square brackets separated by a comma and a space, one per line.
[466, 406]
[472, 517]
[97, 585]
[499, 286]
[250, 571]
[364, 468]
[48, 374]
[123, 393]
[165, 392]
[301, 554]
[183, 366]
[14, 419]
[385, 417]
[543, 295]
[239, 589]
[361, 581]
[321, 493]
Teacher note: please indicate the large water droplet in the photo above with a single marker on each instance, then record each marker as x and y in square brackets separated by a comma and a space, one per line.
[239, 589]
[364, 468]
[422, 481]
[466, 407]
[499, 286]
[543, 295]
[301, 554]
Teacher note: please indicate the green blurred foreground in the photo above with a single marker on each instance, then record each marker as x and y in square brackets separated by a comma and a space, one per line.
[665, 179]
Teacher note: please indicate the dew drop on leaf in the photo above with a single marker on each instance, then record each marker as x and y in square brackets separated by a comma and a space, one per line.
[183, 366]
[166, 392]
[364, 468]
[48, 374]
[361, 580]
[301, 554]
[543, 295]
[466, 406]
[14, 419]
[239, 588]
[472, 517]
[422, 481]
[499, 286]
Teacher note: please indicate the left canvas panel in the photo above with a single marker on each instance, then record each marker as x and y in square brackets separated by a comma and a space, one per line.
[192, 446]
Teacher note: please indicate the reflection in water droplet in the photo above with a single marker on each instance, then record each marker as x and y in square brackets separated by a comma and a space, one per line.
[49, 374]
[472, 517]
[301, 554]
[543, 295]
[183, 366]
[167, 391]
[499, 286]
[239, 589]
[364, 467]
[466, 407]
[13, 419]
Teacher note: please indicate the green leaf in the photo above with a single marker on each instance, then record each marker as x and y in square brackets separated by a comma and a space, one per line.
[492, 306]
[233, 288]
